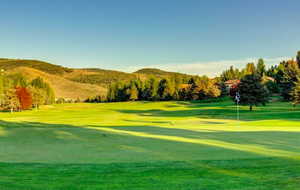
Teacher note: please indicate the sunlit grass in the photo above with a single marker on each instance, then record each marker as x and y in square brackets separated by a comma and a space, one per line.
[151, 145]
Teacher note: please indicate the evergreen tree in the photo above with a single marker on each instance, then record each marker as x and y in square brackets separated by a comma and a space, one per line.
[298, 58]
[252, 91]
[111, 94]
[296, 93]
[230, 74]
[272, 71]
[192, 92]
[250, 69]
[38, 83]
[223, 88]
[261, 67]
[286, 77]
[177, 82]
[151, 90]
[140, 88]
[2, 89]
[133, 92]
[162, 86]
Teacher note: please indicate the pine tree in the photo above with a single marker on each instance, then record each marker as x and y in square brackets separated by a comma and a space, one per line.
[250, 69]
[111, 94]
[2, 89]
[133, 92]
[192, 92]
[298, 58]
[161, 88]
[252, 91]
[261, 67]
[287, 76]
[153, 89]
[296, 93]
[230, 74]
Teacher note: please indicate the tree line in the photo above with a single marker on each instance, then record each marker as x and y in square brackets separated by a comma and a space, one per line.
[282, 79]
[153, 89]
[255, 83]
[17, 93]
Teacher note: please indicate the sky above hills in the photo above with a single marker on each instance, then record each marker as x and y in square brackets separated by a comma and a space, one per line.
[193, 36]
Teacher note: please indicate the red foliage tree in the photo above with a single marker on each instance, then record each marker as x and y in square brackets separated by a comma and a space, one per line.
[25, 98]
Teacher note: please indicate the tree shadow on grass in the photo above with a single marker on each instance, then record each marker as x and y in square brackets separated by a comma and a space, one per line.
[92, 155]
[141, 143]
[222, 113]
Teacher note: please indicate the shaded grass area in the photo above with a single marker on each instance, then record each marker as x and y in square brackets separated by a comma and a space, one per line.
[62, 143]
[150, 146]
[224, 110]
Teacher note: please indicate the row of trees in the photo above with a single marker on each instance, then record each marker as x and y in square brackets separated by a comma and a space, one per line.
[237, 74]
[255, 83]
[17, 93]
[284, 76]
[258, 84]
[171, 88]
[253, 91]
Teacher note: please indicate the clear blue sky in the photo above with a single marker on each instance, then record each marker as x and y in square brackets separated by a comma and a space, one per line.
[170, 34]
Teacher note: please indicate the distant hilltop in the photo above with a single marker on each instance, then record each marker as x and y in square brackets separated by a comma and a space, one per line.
[71, 83]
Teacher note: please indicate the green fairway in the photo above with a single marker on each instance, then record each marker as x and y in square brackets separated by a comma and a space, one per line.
[151, 146]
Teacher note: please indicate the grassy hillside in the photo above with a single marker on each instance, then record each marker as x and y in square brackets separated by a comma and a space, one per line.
[159, 73]
[99, 77]
[77, 83]
[9, 64]
[62, 86]
[151, 146]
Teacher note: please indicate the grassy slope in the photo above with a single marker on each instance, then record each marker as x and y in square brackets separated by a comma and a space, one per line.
[62, 87]
[77, 83]
[98, 77]
[140, 145]
[152, 72]
[8, 64]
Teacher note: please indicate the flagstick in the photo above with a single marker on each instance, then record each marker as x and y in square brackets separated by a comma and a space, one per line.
[237, 98]
[238, 111]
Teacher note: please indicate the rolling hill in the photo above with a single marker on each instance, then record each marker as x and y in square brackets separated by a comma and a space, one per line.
[71, 83]
[158, 72]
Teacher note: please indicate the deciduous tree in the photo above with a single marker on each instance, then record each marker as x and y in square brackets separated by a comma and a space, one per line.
[25, 98]
[11, 100]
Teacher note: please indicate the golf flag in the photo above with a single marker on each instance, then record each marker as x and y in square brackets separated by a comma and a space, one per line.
[237, 97]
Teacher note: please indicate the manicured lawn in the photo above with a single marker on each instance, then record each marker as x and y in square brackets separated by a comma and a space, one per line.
[151, 146]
